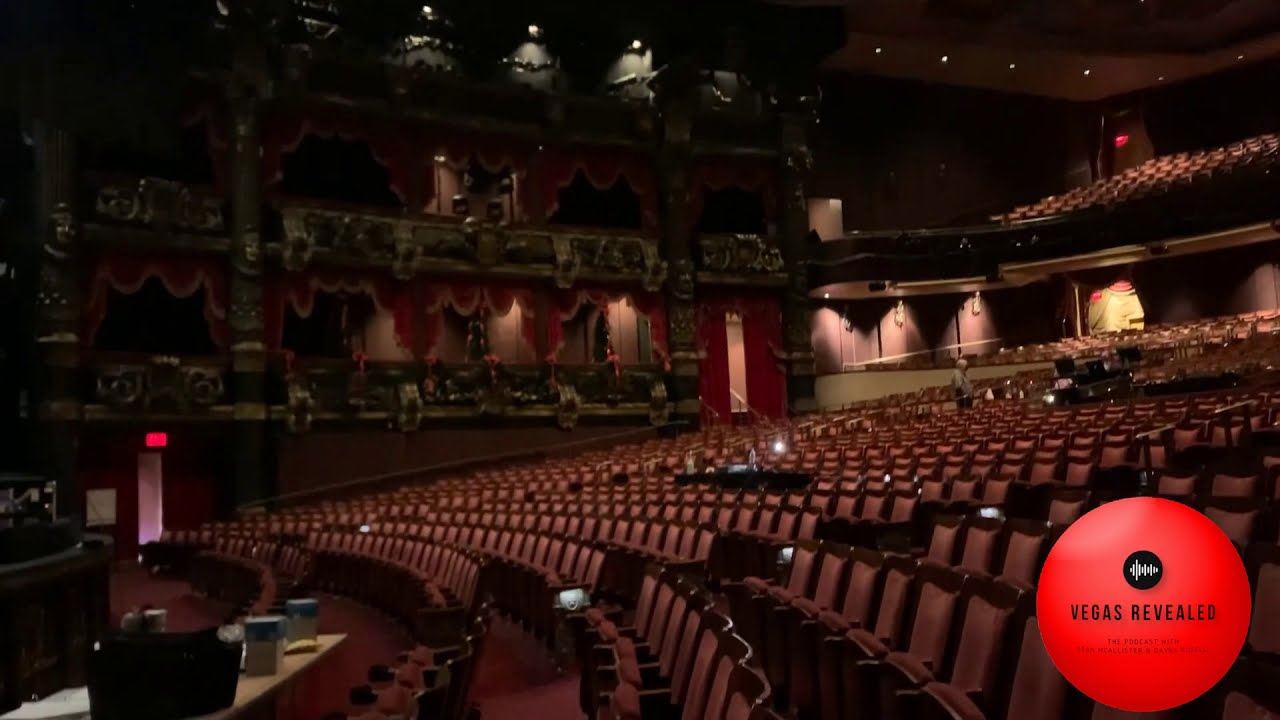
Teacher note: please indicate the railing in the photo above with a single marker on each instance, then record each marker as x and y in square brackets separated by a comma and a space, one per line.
[846, 367]
[753, 414]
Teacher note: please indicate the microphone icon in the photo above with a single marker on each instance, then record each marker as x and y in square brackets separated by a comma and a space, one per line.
[1143, 570]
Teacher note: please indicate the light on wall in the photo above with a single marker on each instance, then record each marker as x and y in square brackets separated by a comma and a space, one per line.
[636, 44]
[900, 314]
[976, 307]
[535, 32]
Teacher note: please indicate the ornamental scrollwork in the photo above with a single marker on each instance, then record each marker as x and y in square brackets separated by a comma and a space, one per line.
[201, 387]
[161, 204]
[659, 408]
[299, 241]
[121, 387]
[404, 261]
[299, 407]
[568, 407]
[681, 279]
[655, 268]
[567, 261]
[408, 407]
[739, 254]
[164, 383]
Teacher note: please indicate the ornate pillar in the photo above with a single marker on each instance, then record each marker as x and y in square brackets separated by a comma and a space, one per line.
[677, 100]
[252, 475]
[58, 311]
[793, 230]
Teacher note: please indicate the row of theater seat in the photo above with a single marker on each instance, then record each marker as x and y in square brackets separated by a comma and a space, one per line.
[1156, 176]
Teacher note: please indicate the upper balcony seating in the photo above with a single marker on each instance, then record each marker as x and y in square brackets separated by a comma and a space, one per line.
[1156, 177]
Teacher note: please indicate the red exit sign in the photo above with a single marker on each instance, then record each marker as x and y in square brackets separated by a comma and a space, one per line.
[157, 439]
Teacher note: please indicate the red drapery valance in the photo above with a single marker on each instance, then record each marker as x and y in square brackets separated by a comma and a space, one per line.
[727, 172]
[568, 302]
[181, 276]
[493, 152]
[299, 291]
[602, 167]
[392, 147]
[467, 300]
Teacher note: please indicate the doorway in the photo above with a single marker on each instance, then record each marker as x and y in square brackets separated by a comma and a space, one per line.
[150, 497]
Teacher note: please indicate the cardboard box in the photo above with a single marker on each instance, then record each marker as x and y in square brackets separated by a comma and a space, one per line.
[264, 641]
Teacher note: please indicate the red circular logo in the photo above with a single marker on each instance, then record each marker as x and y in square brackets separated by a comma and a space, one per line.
[1143, 604]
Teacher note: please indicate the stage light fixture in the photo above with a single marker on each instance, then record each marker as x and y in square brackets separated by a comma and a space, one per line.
[944, 59]
[1086, 72]
[535, 32]
[1160, 79]
[1239, 57]
[779, 447]
[636, 44]
[426, 10]
[826, 296]
[1012, 66]
[879, 50]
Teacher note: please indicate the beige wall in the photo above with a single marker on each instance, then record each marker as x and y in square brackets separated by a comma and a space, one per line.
[844, 388]
[737, 363]
[826, 217]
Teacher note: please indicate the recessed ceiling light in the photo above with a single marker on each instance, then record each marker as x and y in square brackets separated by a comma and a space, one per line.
[1086, 72]
[426, 10]
[826, 295]
[1012, 65]
[534, 31]
[879, 50]
[1239, 57]
[944, 58]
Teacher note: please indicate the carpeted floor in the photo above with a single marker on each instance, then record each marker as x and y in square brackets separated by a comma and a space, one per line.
[515, 679]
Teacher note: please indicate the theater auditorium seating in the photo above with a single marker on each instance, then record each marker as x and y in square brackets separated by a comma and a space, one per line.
[899, 584]
[1157, 177]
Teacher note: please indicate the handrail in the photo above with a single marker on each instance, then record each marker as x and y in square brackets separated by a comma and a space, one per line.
[1148, 433]
[891, 358]
[1229, 408]
[454, 465]
[756, 414]
[715, 414]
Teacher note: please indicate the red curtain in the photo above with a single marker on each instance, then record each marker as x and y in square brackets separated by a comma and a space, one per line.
[181, 276]
[299, 291]
[467, 300]
[723, 172]
[566, 304]
[392, 147]
[492, 152]
[761, 336]
[713, 375]
[602, 167]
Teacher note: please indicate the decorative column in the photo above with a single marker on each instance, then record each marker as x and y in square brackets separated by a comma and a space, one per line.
[793, 230]
[677, 100]
[251, 473]
[58, 310]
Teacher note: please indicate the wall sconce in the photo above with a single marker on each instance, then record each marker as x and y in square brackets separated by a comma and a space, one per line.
[460, 205]
[976, 308]
[900, 314]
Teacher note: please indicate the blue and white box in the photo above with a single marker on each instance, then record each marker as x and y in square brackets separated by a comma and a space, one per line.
[264, 641]
[302, 614]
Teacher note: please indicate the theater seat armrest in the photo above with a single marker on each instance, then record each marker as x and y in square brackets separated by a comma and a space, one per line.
[913, 670]
[445, 654]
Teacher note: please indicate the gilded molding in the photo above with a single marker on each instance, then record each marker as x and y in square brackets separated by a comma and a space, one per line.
[249, 411]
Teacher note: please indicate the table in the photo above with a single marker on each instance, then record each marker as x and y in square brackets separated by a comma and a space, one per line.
[253, 692]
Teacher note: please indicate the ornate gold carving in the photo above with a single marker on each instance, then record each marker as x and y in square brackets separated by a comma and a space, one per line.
[567, 261]
[299, 241]
[659, 409]
[682, 324]
[405, 260]
[161, 204]
[739, 254]
[681, 282]
[163, 382]
[490, 245]
[568, 407]
[409, 407]
[300, 405]
[655, 268]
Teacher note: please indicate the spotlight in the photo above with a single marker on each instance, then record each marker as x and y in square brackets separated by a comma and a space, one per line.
[1160, 79]
[440, 158]
[887, 478]
[535, 31]
[1012, 65]
[826, 296]
[1239, 57]
[944, 59]
[364, 528]
[779, 446]
[879, 50]
[1086, 72]
[636, 44]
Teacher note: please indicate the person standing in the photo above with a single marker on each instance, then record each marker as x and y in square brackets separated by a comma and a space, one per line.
[961, 387]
